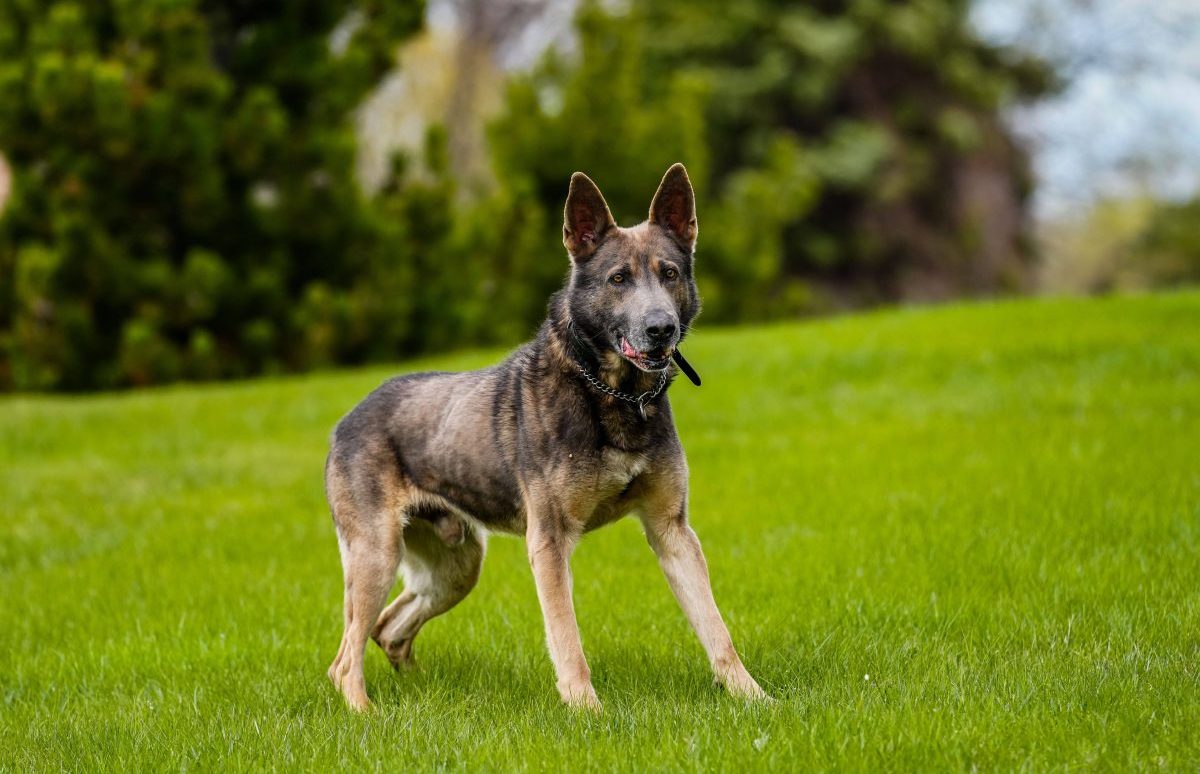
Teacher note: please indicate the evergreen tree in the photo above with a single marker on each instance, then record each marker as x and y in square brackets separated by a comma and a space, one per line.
[183, 201]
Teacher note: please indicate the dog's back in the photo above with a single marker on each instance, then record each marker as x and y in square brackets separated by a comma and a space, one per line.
[434, 439]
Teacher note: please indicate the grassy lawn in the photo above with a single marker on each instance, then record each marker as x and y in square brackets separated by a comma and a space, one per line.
[942, 538]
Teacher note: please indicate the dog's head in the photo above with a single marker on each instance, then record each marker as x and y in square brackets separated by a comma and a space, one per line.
[633, 290]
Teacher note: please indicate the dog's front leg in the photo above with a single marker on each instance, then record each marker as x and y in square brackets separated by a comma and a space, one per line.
[550, 542]
[682, 561]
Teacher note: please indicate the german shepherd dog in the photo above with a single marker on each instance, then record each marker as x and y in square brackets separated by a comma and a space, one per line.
[571, 432]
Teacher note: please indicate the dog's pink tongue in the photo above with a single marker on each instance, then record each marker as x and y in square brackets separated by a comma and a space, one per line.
[628, 350]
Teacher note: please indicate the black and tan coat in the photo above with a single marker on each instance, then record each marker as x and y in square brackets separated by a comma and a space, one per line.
[429, 464]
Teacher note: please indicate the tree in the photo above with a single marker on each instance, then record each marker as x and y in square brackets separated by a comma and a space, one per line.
[183, 201]
[897, 108]
[846, 152]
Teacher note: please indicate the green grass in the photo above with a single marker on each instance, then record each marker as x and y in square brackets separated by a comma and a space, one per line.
[991, 510]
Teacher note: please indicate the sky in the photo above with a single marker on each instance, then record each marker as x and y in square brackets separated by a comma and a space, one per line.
[1128, 120]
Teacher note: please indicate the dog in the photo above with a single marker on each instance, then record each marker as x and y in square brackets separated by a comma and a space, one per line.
[571, 432]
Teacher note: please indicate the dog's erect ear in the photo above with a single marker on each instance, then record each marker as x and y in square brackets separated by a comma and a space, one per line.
[674, 206]
[586, 219]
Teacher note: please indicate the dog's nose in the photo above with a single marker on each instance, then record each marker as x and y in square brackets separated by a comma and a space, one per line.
[660, 329]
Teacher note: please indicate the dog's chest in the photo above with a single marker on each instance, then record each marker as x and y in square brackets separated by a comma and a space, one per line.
[609, 482]
[615, 469]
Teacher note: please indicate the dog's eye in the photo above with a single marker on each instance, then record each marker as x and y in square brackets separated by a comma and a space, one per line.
[671, 274]
[617, 279]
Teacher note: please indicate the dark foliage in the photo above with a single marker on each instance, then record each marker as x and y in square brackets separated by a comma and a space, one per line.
[183, 202]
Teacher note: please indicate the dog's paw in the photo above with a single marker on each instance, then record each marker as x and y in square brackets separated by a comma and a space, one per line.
[746, 688]
[399, 653]
[581, 698]
[354, 694]
[360, 705]
[587, 704]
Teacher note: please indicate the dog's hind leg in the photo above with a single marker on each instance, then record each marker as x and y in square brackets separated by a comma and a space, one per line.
[371, 545]
[442, 559]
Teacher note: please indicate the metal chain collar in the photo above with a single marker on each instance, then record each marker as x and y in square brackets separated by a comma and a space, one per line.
[640, 400]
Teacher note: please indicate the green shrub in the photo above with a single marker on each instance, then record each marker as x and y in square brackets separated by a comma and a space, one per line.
[182, 178]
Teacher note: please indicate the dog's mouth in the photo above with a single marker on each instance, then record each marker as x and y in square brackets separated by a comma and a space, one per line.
[649, 360]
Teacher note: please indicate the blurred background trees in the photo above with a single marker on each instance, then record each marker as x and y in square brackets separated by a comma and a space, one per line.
[183, 202]
[217, 189]
[1117, 146]
[846, 153]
